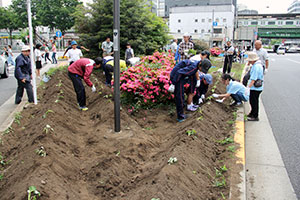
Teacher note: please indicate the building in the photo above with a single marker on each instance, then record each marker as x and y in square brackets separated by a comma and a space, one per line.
[268, 26]
[211, 23]
[188, 3]
[0, 3]
[294, 7]
[161, 4]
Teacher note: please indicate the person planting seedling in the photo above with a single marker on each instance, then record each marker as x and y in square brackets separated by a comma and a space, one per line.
[83, 68]
[205, 81]
[235, 89]
[186, 72]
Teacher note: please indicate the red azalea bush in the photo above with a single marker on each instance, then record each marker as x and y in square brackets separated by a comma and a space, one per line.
[147, 83]
[215, 51]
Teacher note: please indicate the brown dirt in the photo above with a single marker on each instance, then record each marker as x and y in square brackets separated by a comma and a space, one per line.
[86, 160]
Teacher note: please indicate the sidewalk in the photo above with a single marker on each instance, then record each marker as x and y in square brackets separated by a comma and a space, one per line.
[9, 108]
[266, 175]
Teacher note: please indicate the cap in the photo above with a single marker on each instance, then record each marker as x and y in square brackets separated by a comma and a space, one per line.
[25, 48]
[186, 34]
[205, 65]
[208, 78]
[73, 43]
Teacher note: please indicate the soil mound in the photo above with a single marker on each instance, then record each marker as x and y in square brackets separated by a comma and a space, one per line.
[86, 160]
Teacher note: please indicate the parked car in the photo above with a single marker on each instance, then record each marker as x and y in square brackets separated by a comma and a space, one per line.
[3, 66]
[281, 50]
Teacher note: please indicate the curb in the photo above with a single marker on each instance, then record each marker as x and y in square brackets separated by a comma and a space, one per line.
[239, 180]
[9, 108]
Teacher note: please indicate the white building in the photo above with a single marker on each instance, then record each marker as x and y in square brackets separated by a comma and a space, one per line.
[294, 7]
[198, 21]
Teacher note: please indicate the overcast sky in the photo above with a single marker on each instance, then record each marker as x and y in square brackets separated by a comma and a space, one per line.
[263, 6]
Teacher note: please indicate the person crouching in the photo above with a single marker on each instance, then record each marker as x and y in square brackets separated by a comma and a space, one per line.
[83, 68]
[205, 81]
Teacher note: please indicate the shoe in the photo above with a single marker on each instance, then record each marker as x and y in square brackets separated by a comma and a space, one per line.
[84, 108]
[192, 108]
[253, 119]
[249, 115]
[200, 101]
[182, 119]
[237, 104]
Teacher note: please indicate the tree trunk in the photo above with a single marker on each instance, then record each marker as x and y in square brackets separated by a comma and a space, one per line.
[10, 35]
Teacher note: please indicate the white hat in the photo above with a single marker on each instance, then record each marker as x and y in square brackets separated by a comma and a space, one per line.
[25, 48]
[252, 56]
[186, 34]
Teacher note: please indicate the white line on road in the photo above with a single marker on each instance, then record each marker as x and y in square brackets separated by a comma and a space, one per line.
[293, 61]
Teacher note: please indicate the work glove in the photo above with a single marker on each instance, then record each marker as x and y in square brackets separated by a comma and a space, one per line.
[203, 97]
[266, 71]
[200, 101]
[171, 88]
[93, 88]
[198, 83]
[220, 100]
[215, 95]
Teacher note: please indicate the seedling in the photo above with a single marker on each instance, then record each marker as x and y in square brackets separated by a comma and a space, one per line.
[172, 160]
[224, 168]
[18, 117]
[59, 84]
[223, 196]
[48, 128]
[218, 173]
[200, 118]
[106, 96]
[8, 130]
[61, 92]
[191, 132]
[148, 128]
[41, 151]
[230, 122]
[200, 111]
[220, 183]
[228, 140]
[245, 117]
[118, 153]
[33, 194]
[194, 172]
[47, 112]
[2, 161]
[100, 93]
[210, 98]
[1, 176]
[60, 97]
[56, 101]
[234, 115]
[231, 148]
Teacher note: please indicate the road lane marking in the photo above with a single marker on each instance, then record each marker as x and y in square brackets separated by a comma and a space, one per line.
[294, 61]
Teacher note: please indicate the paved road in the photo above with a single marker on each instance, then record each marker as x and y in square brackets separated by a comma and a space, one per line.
[281, 99]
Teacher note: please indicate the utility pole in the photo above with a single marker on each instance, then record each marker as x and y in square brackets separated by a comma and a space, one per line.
[212, 27]
[116, 36]
[31, 51]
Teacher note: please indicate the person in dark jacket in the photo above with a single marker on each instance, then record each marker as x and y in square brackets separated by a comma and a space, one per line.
[184, 72]
[23, 75]
[83, 68]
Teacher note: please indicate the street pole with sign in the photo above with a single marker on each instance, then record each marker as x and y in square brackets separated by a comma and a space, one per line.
[116, 40]
[31, 52]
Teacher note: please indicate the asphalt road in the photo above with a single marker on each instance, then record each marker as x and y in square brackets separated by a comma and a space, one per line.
[281, 99]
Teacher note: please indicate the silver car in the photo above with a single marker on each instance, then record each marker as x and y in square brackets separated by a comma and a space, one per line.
[3, 66]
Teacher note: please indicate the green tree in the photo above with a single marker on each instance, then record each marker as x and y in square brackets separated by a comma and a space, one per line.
[9, 21]
[139, 26]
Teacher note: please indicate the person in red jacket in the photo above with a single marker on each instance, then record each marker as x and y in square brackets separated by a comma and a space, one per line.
[83, 68]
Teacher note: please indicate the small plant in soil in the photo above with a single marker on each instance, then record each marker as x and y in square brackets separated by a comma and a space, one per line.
[41, 152]
[200, 118]
[230, 122]
[224, 168]
[231, 148]
[220, 183]
[47, 112]
[209, 98]
[2, 161]
[8, 130]
[56, 101]
[1, 176]
[18, 118]
[172, 160]
[234, 115]
[33, 193]
[245, 117]
[118, 153]
[191, 132]
[48, 128]
[226, 141]
[59, 84]
[223, 196]
[148, 128]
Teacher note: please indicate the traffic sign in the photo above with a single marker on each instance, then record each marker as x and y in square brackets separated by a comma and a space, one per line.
[58, 33]
[215, 23]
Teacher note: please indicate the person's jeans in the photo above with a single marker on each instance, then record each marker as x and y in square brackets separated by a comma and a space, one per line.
[238, 97]
[227, 64]
[79, 89]
[10, 60]
[47, 57]
[54, 61]
[20, 90]
[254, 102]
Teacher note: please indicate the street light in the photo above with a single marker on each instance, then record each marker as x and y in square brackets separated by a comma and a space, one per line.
[116, 35]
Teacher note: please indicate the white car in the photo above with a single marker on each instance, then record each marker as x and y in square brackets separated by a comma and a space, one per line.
[3, 66]
[281, 50]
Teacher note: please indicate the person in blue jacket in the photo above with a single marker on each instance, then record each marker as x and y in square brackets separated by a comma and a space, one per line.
[234, 89]
[23, 75]
[184, 72]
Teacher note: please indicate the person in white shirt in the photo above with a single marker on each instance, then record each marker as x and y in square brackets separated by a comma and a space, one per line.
[38, 59]
[174, 46]
[262, 54]
[74, 54]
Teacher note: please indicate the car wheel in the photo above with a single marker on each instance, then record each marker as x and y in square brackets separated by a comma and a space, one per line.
[6, 72]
